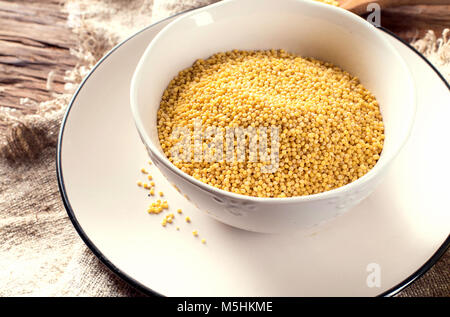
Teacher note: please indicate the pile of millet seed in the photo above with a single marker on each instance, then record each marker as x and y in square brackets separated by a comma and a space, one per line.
[330, 127]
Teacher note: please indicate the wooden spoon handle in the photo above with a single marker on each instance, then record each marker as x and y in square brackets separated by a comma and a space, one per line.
[360, 6]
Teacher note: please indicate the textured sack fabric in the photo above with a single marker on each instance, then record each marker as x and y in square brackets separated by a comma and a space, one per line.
[40, 252]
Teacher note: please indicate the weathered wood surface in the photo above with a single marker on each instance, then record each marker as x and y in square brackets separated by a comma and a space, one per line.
[412, 22]
[34, 41]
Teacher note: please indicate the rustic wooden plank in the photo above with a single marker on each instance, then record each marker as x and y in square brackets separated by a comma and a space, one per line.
[16, 53]
[47, 34]
[33, 11]
[412, 22]
[34, 41]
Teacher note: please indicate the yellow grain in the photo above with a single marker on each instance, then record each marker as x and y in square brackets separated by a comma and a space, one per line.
[331, 129]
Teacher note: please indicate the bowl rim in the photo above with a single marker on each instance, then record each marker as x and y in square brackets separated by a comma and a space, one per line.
[381, 164]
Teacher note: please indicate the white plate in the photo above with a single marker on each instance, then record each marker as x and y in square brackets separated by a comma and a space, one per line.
[396, 234]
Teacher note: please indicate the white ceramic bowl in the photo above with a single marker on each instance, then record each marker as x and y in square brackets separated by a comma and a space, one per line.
[303, 27]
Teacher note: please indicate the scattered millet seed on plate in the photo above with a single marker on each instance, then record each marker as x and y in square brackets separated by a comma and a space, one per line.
[155, 210]
[152, 183]
[169, 218]
[330, 127]
[150, 177]
[143, 171]
[157, 207]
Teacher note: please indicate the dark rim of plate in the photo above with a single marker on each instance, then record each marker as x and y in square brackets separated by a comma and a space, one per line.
[136, 284]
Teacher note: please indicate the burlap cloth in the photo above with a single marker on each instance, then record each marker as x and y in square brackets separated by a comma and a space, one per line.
[40, 252]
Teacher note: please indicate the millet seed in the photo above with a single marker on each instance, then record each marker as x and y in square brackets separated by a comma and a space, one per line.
[330, 127]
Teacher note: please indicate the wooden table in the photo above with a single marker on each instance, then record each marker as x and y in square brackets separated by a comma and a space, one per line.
[35, 40]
